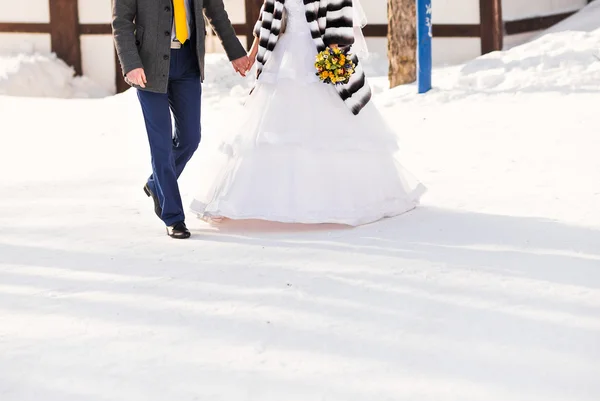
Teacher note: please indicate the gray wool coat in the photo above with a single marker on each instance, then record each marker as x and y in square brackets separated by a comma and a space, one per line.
[142, 35]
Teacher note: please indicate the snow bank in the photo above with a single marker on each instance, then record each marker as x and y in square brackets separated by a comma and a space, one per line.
[564, 58]
[563, 61]
[43, 75]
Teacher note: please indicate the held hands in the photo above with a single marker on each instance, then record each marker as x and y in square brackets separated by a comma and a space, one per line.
[137, 77]
[242, 65]
[245, 64]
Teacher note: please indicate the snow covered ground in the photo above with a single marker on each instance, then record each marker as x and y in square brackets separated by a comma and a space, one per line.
[489, 291]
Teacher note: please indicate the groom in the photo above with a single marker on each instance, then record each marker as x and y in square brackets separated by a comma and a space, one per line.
[160, 45]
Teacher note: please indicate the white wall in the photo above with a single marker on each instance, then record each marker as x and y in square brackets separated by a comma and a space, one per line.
[97, 52]
[236, 11]
[24, 11]
[519, 9]
[98, 60]
[455, 11]
[24, 43]
[444, 11]
[94, 11]
[445, 50]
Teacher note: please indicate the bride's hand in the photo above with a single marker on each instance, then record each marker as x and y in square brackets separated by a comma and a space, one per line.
[252, 54]
[252, 58]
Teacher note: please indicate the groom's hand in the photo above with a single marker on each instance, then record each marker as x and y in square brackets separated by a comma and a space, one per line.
[241, 65]
[137, 77]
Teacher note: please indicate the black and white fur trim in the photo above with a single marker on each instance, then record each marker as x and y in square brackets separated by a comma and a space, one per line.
[331, 23]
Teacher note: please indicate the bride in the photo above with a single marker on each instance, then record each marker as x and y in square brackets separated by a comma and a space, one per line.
[305, 151]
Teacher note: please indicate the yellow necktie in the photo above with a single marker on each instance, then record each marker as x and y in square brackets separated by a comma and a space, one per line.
[181, 28]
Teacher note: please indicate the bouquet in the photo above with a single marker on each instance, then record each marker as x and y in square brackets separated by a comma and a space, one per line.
[334, 66]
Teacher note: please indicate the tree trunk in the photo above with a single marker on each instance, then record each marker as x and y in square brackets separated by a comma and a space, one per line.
[402, 41]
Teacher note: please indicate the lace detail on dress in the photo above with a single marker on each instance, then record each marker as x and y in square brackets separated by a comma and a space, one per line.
[296, 17]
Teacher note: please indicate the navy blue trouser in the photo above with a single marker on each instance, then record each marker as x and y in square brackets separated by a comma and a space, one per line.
[172, 150]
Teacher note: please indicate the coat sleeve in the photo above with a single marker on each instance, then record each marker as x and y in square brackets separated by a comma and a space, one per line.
[123, 28]
[218, 18]
[339, 28]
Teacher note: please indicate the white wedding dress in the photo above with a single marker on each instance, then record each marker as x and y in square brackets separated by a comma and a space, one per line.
[299, 155]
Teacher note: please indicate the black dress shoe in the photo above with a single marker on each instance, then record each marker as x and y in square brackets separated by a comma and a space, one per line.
[178, 231]
[157, 208]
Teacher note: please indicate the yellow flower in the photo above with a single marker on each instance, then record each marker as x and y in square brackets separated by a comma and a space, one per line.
[324, 75]
[328, 65]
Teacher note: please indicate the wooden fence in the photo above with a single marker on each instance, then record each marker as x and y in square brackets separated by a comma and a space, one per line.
[65, 29]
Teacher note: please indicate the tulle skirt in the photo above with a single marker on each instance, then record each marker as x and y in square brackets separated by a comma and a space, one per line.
[300, 156]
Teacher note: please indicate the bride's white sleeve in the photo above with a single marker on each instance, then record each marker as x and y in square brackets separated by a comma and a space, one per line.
[360, 20]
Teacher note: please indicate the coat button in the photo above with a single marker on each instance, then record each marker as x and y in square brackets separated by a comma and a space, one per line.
[165, 57]
[167, 8]
[167, 33]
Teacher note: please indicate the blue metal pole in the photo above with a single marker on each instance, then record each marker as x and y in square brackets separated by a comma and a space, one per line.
[424, 38]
